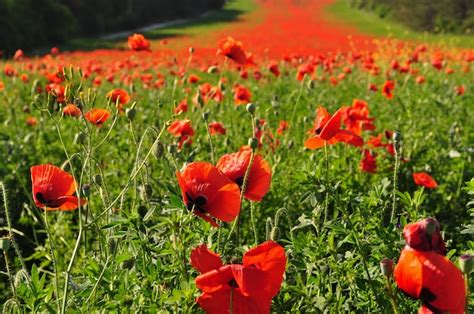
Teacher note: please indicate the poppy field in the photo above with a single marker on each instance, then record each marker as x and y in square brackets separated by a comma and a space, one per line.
[282, 162]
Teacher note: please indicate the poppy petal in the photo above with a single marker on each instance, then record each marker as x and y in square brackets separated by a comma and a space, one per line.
[205, 260]
[314, 143]
[332, 126]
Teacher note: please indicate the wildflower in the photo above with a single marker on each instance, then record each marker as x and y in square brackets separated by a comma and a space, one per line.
[53, 188]
[119, 96]
[387, 89]
[424, 179]
[234, 167]
[216, 128]
[251, 285]
[183, 130]
[208, 193]
[241, 95]
[232, 49]
[72, 110]
[137, 42]
[97, 116]
[369, 162]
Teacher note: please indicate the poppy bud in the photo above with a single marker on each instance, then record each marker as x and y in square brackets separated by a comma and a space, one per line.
[146, 192]
[386, 266]
[305, 119]
[275, 233]
[191, 50]
[112, 246]
[275, 98]
[172, 149]
[205, 115]
[4, 244]
[212, 69]
[98, 179]
[275, 104]
[158, 150]
[397, 141]
[130, 113]
[128, 264]
[221, 86]
[432, 226]
[253, 142]
[466, 263]
[199, 100]
[80, 138]
[26, 109]
[86, 190]
[251, 108]
[310, 84]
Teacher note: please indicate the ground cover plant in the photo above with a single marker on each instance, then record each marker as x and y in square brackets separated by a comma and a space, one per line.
[232, 173]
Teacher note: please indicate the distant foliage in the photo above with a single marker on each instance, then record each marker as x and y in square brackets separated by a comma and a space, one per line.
[440, 16]
[31, 23]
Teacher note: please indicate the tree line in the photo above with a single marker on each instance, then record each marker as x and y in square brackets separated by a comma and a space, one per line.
[28, 24]
[439, 16]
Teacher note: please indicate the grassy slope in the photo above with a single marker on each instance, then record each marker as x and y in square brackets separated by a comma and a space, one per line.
[370, 23]
[213, 20]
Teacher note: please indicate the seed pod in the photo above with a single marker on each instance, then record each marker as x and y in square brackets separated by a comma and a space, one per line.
[212, 69]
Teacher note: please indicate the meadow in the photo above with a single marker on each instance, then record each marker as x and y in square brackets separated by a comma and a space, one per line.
[298, 163]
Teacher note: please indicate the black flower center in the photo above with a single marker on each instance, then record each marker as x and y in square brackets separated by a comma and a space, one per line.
[318, 131]
[196, 203]
[239, 181]
[233, 283]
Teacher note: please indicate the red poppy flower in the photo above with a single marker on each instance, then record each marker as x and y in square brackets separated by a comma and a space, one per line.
[234, 167]
[54, 51]
[183, 130]
[252, 285]
[216, 128]
[356, 118]
[19, 54]
[232, 49]
[460, 90]
[432, 278]
[2, 86]
[282, 127]
[387, 89]
[425, 235]
[241, 95]
[31, 121]
[193, 79]
[137, 42]
[72, 111]
[182, 107]
[97, 116]
[424, 179]
[327, 131]
[208, 193]
[420, 80]
[274, 68]
[369, 162]
[118, 95]
[304, 69]
[53, 188]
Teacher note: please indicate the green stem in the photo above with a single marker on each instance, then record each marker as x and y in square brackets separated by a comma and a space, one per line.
[394, 192]
[52, 247]
[326, 201]
[252, 220]
[393, 300]
[9, 273]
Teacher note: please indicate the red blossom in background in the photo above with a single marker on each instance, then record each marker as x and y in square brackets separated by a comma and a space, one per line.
[183, 130]
[368, 163]
[387, 89]
[137, 42]
[232, 49]
[216, 128]
[241, 95]
[425, 180]
[97, 116]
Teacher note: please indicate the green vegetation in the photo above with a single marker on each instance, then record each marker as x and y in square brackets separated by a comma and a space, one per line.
[370, 23]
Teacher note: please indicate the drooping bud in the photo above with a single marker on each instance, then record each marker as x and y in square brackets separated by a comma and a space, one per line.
[253, 142]
[386, 266]
[251, 108]
[431, 226]
[86, 190]
[98, 179]
[130, 113]
[158, 150]
[4, 244]
[205, 115]
[466, 263]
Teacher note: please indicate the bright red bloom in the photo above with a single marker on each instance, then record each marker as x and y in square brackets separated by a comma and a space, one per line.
[232, 49]
[387, 89]
[54, 51]
[241, 95]
[193, 79]
[183, 130]
[118, 95]
[208, 193]
[460, 90]
[369, 162]
[327, 130]
[31, 121]
[58, 91]
[182, 107]
[356, 118]
[424, 179]
[282, 127]
[137, 42]
[53, 188]
[274, 68]
[425, 235]
[72, 111]
[234, 167]
[97, 116]
[304, 69]
[252, 285]
[216, 128]
[432, 278]
[420, 79]
[19, 54]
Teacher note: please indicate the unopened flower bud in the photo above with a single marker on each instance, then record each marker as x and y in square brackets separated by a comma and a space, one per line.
[191, 50]
[310, 84]
[112, 246]
[253, 142]
[86, 190]
[172, 149]
[466, 263]
[431, 226]
[158, 150]
[205, 115]
[386, 266]
[98, 179]
[221, 86]
[130, 113]
[146, 192]
[397, 141]
[4, 244]
[251, 108]
[212, 69]
[80, 138]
